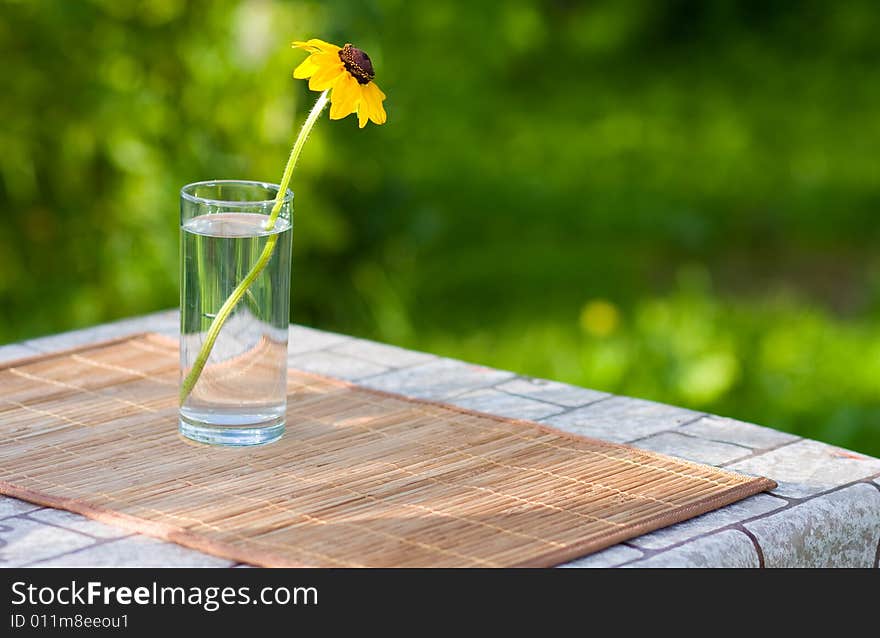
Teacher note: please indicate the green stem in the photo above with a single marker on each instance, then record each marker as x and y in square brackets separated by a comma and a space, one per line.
[294, 156]
[229, 305]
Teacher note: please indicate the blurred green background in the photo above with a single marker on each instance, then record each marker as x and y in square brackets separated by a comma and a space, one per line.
[671, 200]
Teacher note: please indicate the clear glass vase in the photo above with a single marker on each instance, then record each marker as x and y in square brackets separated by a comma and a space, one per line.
[240, 397]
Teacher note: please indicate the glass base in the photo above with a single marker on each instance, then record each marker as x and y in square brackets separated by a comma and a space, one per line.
[231, 435]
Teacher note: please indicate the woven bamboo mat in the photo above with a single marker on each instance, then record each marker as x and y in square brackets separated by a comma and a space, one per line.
[362, 478]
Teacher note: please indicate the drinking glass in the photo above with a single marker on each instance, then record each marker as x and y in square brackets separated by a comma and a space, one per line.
[239, 398]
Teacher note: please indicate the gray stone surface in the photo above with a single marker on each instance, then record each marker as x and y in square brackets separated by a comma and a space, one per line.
[135, 551]
[730, 548]
[303, 339]
[692, 448]
[611, 557]
[440, 379]
[503, 404]
[23, 541]
[840, 529]
[335, 365]
[808, 467]
[744, 510]
[165, 322]
[621, 419]
[717, 428]
[15, 351]
[382, 353]
[77, 523]
[568, 396]
[12, 506]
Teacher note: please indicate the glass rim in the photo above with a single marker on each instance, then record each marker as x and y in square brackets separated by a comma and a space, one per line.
[185, 193]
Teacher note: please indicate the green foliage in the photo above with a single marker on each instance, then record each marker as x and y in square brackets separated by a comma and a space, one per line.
[708, 168]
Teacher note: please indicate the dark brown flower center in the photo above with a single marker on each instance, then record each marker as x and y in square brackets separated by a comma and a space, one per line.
[357, 63]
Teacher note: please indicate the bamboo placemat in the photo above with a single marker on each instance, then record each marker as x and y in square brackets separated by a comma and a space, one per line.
[361, 478]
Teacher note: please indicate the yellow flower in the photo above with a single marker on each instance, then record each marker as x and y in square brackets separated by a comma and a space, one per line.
[349, 72]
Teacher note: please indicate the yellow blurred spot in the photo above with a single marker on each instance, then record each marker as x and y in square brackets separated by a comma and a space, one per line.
[709, 377]
[599, 318]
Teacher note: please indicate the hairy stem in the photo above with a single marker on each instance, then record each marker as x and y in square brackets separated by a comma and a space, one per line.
[229, 305]
[294, 156]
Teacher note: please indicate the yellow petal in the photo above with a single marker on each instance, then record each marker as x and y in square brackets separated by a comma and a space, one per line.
[326, 76]
[363, 116]
[316, 46]
[307, 69]
[345, 97]
[314, 63]
[372, 99]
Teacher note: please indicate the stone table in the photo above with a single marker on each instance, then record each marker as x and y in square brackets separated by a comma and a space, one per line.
[825, 512]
